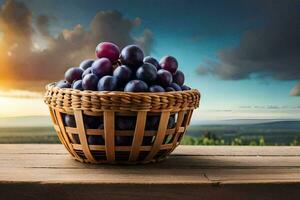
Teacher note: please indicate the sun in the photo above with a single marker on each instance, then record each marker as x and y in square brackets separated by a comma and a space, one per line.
[15, 104]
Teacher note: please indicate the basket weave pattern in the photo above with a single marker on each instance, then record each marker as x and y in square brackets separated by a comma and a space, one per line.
[109, 106]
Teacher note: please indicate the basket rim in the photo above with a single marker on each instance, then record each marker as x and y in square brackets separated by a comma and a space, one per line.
[106, 93]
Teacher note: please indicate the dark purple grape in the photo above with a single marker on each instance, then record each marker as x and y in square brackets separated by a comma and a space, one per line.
[87, 71]
[152, 61]
[171, 122]
[156, 88]
[95, 140]
[90, 82]
[86, 64]
[102, 67]
[92, 122]
[73, 74]
[63, 84]
[184, 87]
[175, 86]
[178, 77]
[107, 83]
[125, 123]
[169, 63]
[169, 89]
[132, 56]
[77, 85]
[147, 72]
[147, 140]
[123, 140]
[69, 121]
[152, 122]
[108, 50]
[164, 77]
[123, 74]
[136, 86]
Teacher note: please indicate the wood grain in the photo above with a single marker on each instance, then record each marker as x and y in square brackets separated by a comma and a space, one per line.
[36, 171]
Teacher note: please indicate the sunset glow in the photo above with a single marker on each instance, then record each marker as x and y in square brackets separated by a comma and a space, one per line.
[21, 103]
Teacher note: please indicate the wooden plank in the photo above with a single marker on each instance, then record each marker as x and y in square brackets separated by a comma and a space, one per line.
[182, 150]
[37, 191]
[238, 150]
[254, 175]
[174, 162]
[48, 171]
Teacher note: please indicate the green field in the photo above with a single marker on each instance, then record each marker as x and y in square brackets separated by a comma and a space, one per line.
[275, 133]
[28, 135]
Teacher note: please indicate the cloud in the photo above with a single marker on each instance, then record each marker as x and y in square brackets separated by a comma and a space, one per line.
[295, 90]
[32, 53]
[271, 50]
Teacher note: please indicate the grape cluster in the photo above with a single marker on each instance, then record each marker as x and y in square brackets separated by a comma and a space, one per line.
[136, 73]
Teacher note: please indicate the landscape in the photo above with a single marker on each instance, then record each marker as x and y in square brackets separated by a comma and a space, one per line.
[38, 129]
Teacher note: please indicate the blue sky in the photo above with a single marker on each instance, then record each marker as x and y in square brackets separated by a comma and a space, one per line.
[193, 32]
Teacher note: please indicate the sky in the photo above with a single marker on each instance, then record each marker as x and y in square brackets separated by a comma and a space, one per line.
[243, 56]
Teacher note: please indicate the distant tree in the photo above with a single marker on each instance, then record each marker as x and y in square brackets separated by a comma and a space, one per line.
[295, 142]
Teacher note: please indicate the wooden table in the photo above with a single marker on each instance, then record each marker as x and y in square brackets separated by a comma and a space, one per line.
[39, 172]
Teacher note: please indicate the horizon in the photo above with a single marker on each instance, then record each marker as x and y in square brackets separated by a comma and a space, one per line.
[45, 121]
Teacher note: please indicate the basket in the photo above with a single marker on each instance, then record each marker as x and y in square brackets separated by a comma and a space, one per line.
[145, 142]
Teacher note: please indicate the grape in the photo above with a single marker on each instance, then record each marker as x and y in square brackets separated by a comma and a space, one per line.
[136, 86]
[77, 85]
[73, 74]
[152, 61]
[123, 74]
[123, 140]
[63, 84]
[125, 123]
[169, 89]
[69, 121]
[171, 122]
[95, 140]
[178, 77]
[175, 86]
[92, 122]
[90, 82]
[147, 72]
[152, 122]
[102, 67]
[184, 87]
[164, 77]
[107, 83]
[132, 56]
[169, 63]
[86, 64]
[108, 50]
[87, 71]
[156, 88]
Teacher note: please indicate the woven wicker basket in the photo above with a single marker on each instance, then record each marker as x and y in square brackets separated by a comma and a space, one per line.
[109, 106]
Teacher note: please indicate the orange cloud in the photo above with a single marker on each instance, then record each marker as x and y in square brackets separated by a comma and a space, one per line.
[24, 58]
